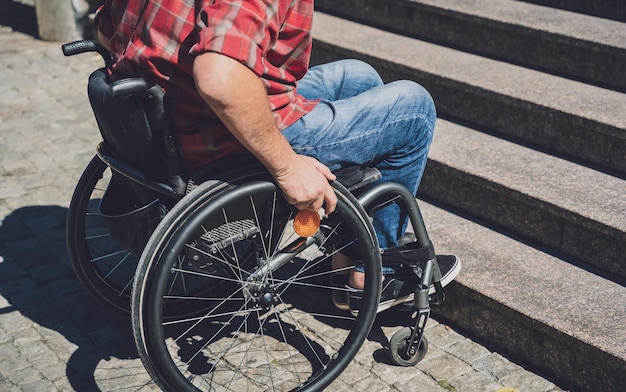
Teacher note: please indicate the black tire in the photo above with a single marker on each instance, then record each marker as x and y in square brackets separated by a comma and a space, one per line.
[398, 345]
[276, 332]
[104, 267]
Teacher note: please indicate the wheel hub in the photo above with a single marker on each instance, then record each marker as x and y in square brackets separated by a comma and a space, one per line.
[263, 296]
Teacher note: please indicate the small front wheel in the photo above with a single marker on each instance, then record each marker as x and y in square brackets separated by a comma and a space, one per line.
[398, 348]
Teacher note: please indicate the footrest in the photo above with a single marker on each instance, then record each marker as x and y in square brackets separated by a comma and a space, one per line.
[411, 253]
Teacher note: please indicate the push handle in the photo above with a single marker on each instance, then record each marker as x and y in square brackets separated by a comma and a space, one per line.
[83, 46]
[119, 88]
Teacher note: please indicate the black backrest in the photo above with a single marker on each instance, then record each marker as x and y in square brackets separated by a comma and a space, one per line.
[132, 126]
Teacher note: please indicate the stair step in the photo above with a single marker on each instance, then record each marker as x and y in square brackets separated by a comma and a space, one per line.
[533, 163]
[549, 111]
[541, 311]
[610, 9]
[562, 42]
[571, 209]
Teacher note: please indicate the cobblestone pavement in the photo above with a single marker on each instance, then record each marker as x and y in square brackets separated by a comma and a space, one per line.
[53, 335]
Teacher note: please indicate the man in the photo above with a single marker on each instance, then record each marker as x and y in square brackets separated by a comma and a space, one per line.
[237, 77]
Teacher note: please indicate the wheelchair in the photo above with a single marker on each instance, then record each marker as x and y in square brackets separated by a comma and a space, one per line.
[228, 286]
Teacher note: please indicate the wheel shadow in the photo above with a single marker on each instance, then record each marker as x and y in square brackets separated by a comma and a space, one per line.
[384, 320]
[37, 281]
[309, 301]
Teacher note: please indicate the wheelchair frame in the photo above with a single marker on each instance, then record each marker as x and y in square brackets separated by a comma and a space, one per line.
[407, 347]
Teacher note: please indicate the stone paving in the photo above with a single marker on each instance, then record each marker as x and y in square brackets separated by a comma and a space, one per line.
[53, 335]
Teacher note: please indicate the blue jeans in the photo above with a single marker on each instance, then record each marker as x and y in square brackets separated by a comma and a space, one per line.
[361, 121]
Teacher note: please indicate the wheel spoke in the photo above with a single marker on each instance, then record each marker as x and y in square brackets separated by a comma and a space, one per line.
[102, 265]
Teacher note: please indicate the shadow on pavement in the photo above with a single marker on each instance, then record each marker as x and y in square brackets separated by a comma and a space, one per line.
[19, 17]
[37, 281]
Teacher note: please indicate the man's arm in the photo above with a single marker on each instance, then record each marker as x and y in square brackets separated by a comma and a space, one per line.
[238, 97]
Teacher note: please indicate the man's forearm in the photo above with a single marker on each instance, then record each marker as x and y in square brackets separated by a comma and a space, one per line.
[238, 97]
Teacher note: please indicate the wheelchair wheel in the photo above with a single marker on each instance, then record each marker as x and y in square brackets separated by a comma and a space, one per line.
[265, 321]
[398, 348]
[104, 267]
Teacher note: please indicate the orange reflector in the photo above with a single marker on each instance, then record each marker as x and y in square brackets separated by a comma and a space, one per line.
[306, 223]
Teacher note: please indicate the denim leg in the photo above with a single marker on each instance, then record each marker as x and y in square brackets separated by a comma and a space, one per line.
[388, 126]
[338, 80]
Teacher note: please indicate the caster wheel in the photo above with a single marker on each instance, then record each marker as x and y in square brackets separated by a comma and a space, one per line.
[398, 345]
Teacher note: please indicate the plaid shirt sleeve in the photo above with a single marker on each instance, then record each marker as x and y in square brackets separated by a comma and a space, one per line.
[254, 32]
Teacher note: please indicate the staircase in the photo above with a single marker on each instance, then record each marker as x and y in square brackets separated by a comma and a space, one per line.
[526, 179]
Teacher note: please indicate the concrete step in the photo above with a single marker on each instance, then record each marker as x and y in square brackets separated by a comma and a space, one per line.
[587, 48]
[539, 310]
[582, 122]
[531, 168]
[610, 9]
[573, 211]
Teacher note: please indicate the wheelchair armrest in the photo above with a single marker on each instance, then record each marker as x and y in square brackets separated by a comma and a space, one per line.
[128, 86]
[355, 177]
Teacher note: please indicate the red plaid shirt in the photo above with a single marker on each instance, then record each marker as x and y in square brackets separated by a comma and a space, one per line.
[271, 37]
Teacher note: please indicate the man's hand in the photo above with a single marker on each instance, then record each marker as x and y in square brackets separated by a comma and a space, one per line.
[305, 184]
